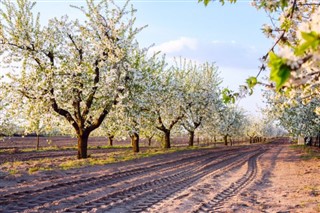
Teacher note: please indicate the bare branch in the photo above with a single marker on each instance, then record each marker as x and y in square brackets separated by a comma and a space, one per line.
[80, 51]
[63, 112]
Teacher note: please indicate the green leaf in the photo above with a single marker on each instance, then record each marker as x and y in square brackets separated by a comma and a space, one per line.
[252, 81]
[286, 24]
[283, 4]
[279, 71]
[309, 36]
[312, 40]
[227, 96]
[206, 2]
[250, 91]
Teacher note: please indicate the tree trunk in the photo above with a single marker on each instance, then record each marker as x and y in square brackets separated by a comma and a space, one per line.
[225, 138]
[149, 140]
[82, 145]
[167, 144]
[110, 140]
[135, 142]
[191, 138]
[38, 142]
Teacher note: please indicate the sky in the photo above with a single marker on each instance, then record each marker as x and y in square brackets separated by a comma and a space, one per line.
[229, 36]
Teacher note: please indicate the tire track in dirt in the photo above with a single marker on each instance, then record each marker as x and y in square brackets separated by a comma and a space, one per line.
[117, 191]
[218, 169]
[214, 204]
[142, 196]
[91, 192]
[76, 179]
[35, 197]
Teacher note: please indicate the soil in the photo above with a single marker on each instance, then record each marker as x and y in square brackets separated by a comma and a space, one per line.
[256, 178]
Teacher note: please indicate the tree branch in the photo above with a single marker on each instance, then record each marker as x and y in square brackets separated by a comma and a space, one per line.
[80, 51]
[62, 112]
[162, 127]
[90, 98]
[264, 58]
[102, 116]
[175, 121]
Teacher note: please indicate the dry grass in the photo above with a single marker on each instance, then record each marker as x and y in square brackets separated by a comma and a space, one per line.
[308, 152]
[65, 163]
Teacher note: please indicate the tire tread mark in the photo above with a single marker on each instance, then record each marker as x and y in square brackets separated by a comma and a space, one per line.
[183, 179]
[218, 200]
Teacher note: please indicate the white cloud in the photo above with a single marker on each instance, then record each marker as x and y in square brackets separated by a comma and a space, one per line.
[175, 46]
[225, 53]
[236, 62]
[215, 42]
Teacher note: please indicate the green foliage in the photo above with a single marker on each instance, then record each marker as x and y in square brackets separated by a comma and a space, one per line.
[279, 70]
[283, 4]
[32, 170]
[312, 40]
[308, 152]
[228, 96]
[13, 172]
[286, 25]
[273, 6]
[251, 82]
[206, 2]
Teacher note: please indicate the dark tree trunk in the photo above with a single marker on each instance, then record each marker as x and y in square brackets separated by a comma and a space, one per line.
[150, 140]
[167, 144]
[135, 142]
[38, 142]
[191, 138]
[225, 138]
[83, 145]
[250, 140]
[110, 140]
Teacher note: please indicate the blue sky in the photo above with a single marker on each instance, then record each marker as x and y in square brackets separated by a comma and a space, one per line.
[228, 35]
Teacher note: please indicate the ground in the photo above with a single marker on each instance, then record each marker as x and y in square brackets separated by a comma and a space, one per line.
[286, 183]
[257, 178]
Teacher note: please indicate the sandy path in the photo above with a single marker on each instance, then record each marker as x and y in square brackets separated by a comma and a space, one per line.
[284, 184]
[239, 179]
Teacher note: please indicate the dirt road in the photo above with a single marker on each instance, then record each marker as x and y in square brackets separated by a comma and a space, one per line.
[189, 181]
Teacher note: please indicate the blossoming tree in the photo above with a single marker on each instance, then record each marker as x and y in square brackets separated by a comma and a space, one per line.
[79, 68]
[232, 122]
[201, 95]
[294, 58]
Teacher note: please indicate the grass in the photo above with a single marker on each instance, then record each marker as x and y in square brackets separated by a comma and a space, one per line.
[13, 171]
[308, 152]
[119, 156]
[66, 163]
[50, 148]
[57, 148]
[109, 147]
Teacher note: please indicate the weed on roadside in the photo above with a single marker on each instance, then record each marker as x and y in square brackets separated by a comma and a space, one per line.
[308, 152]
[13, 171]
[66, 163]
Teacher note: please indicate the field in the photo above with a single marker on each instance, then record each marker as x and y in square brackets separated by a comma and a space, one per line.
[270, 177]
